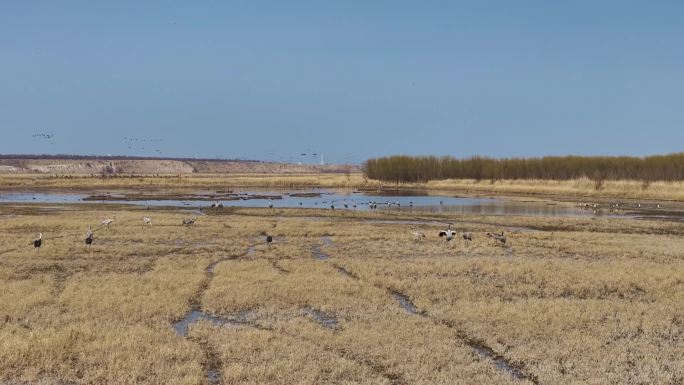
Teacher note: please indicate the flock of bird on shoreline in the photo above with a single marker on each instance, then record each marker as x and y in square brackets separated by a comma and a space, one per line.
[90, 235]
[448, 234]
[612, 207]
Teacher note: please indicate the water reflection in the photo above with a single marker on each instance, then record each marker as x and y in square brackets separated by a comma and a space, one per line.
[327, 199]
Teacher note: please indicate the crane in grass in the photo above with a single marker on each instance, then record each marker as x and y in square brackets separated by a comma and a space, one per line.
[107, 222]
[89, 237]
[38, 242]
[269, 240]
[147, 221]
[189, 222]
[448, 233]
[498, 237]
[467, 237]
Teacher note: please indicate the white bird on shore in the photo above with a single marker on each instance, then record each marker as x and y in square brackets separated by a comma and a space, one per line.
[270, 204]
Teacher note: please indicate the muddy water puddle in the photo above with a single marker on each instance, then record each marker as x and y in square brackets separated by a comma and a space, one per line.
[214, 376]
[406, 303]
[240, 319]
[324, 319]
[212, 266]
[499, 362]
[317, 250]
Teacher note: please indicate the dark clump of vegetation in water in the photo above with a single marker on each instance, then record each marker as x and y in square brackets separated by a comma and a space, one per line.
[413, 169]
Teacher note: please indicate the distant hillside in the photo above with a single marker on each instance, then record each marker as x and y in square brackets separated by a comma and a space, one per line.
[113, 165]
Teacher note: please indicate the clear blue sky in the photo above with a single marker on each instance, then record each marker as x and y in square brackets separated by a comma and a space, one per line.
[348, 79]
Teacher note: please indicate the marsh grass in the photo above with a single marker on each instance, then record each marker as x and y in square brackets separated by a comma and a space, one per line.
[569, 301]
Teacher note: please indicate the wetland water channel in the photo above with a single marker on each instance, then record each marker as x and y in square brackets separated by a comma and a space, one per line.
[405, 201]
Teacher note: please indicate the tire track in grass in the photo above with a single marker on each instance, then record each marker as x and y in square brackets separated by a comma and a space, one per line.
[317, 251]
[322, 318]
[244, 319]
[279, 268]
[325, 321]
[195, 314]
[516, 371]
[375, 366]
[212, 364]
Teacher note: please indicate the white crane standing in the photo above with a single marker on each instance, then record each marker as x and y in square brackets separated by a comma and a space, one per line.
[448, 233]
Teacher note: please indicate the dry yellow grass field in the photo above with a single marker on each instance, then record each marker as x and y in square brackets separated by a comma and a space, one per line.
[338, 298]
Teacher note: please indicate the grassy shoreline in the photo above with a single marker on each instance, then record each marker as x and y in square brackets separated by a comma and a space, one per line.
[570, 190]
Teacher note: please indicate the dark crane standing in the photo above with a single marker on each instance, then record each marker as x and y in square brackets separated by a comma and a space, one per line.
[498, 237]
[89, 237]
[38, 242]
